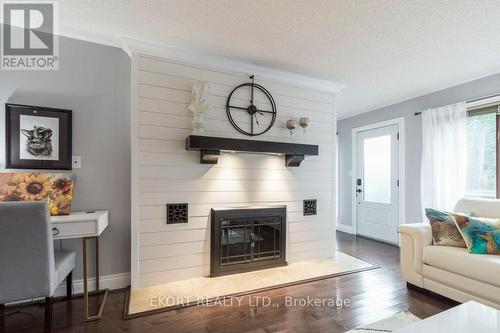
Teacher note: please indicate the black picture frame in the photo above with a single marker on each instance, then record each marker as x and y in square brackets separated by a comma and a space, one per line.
[13, 113]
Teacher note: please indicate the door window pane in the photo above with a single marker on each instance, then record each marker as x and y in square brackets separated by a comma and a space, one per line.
[481, 159]
[377, 169]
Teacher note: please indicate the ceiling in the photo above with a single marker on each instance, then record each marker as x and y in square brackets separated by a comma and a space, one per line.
[385, 51]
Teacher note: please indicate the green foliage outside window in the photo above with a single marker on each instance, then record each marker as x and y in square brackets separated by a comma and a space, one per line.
[481, 173]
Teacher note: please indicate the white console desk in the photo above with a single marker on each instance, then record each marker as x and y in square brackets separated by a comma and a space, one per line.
[87, 226]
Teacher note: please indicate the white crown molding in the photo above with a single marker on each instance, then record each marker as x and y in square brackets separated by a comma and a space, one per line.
[176, 54]
[101, 39]
[132, 45]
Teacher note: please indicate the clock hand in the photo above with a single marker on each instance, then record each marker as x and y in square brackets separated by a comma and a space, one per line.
[251, 99]
[237, 107]
[256, 120]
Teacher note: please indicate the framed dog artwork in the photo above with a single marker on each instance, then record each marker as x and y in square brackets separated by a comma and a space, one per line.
[37, 137]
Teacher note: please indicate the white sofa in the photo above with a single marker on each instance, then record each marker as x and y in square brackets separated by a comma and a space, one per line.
[451, 271]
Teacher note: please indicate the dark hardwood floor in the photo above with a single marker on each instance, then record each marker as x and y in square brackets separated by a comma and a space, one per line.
[373, 295]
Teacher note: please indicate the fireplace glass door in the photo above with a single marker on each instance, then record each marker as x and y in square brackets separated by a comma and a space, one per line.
[247, 238]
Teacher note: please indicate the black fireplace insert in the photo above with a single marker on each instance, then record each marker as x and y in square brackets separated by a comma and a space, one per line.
[247, 239]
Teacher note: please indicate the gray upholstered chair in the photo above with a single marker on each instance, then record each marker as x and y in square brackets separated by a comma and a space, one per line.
[29, 267]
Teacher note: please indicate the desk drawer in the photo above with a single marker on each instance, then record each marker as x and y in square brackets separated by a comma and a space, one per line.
[67, 230]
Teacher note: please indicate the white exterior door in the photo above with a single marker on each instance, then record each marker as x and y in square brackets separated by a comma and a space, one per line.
[377, 183]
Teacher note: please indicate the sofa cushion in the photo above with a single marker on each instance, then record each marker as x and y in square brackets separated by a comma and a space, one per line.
[482, 235]
[479, 207]
[460, 288]
[485, 268]
[444, 229]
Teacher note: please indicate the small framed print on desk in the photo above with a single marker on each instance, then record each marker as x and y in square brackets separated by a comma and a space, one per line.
[37, 137]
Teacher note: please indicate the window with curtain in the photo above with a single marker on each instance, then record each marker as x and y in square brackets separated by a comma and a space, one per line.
[482, 170]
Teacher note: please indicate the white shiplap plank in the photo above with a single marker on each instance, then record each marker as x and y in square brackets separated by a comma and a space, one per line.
[169, 82]
[172, 133]
[294, 209]
[309, 225]
[214, 173]
[312, 235]
[228, 160]
[299, 247]
[159, 225]
[316, 130]
[172, 69]
[176, 237]
[295, 257]
[174, 263]
[200, 235]
[212, 197]
[219, 112]
[225, 185]
[173, 250]
[151, 279]
[203, 222]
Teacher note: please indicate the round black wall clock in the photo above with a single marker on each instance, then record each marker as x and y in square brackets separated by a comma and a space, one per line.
[248, 117]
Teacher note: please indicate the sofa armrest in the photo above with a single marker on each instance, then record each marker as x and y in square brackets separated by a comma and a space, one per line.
[421, 232]
[413, 239]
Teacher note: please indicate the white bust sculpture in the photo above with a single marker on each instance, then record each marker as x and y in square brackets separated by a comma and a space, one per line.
[199, 106]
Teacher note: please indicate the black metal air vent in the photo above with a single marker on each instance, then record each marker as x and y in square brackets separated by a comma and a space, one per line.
[177, 213]
[310, 207]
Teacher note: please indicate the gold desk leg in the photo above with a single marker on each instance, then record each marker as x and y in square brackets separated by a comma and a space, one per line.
[97, 316]
[85, 288]
[97, 263]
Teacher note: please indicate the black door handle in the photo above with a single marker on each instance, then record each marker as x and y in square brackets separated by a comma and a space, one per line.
[359, 190]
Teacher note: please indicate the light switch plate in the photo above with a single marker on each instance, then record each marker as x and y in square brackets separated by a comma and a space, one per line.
[76, 162]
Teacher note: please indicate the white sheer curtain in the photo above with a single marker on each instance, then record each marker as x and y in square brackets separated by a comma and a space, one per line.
[444, 156]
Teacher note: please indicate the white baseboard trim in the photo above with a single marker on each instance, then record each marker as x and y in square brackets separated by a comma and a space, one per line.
[345, 228]
[114, 281]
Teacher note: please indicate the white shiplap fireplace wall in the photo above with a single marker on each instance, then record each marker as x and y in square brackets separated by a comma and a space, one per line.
[164, 172]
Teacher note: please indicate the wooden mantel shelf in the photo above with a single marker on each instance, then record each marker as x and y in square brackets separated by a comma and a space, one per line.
[210, 148]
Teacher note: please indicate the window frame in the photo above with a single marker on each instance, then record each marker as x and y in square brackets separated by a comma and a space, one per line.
[480, 106]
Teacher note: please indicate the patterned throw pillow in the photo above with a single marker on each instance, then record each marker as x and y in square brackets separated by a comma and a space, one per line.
[482, 235]
[444, 228]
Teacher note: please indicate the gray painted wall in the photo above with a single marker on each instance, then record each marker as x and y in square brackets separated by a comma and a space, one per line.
[94, 81]
[471, 90]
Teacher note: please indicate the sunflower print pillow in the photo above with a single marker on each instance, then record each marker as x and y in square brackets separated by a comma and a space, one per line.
[57, 188]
